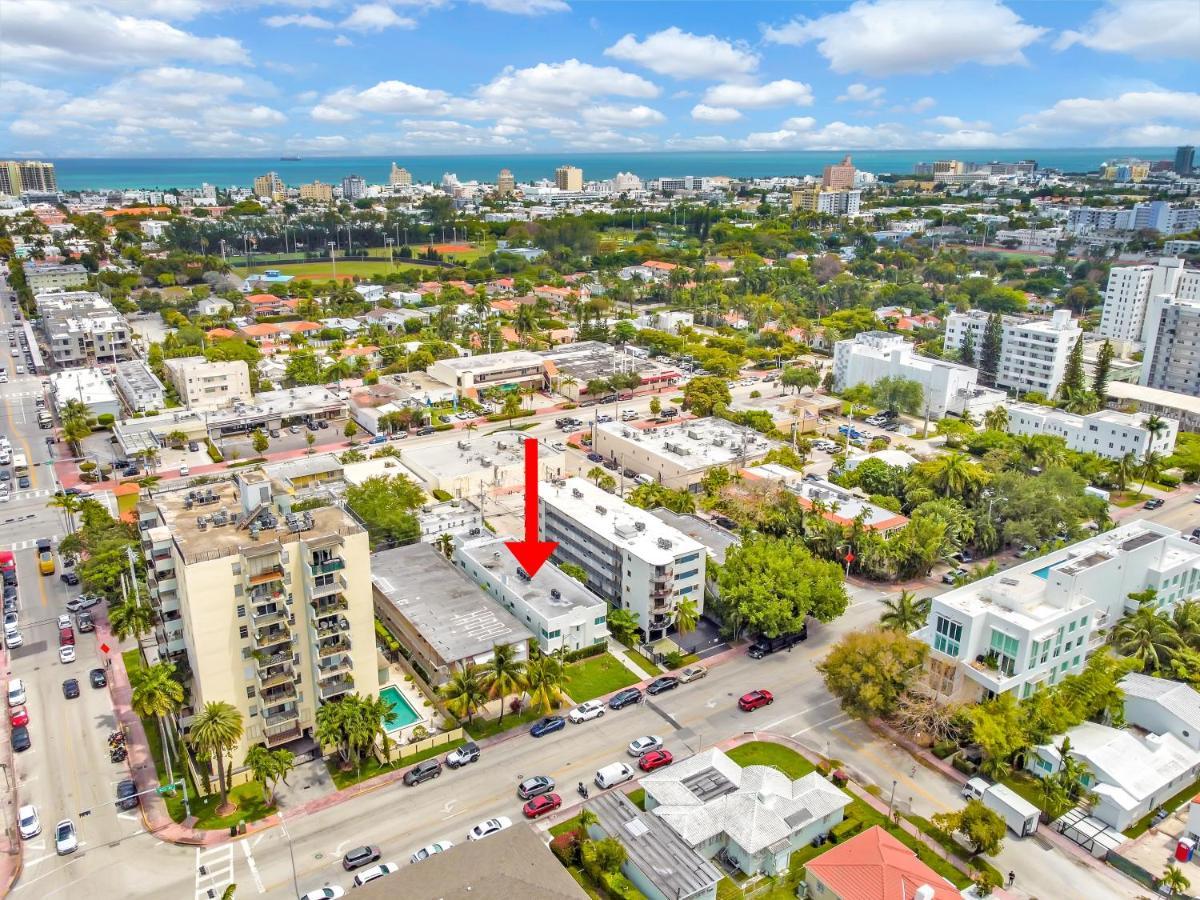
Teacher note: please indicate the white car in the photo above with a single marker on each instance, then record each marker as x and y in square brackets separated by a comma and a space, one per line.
[333, 892]
[13, 638]
[585, 712]
[558, 447]
[184, 470]
[65, 839]
[28, 822]
[489, 827]
[16, 692]
[5, 496]
[374, 872]
[64, 621]
[66, 653]
[645, 744]
[430, 850]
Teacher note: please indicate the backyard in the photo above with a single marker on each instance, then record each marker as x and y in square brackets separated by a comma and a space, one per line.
[595, 677]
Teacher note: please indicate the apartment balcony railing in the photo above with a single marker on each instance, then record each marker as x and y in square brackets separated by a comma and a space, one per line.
[338, 667]
[265, 576]
[335, 688]
[284, 718]
[325, 606]
[269, 618]
[324, 568]
[334, 585]
[282, 734]
[280, 694]
[265, 661]
[330, 646]
[332, 626]
[274, 677]
[271, 637]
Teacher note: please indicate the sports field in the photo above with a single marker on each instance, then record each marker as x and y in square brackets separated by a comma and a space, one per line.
[322, 270]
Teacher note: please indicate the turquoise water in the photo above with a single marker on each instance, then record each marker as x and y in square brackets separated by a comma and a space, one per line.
[402, 713]
[79, 173]
[1044, 571]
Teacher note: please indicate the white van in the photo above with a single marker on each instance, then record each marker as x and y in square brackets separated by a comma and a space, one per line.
[643, 479]
[16, 692]
[612, 775]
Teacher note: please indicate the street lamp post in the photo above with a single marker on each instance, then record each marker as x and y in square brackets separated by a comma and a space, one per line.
[333, 257]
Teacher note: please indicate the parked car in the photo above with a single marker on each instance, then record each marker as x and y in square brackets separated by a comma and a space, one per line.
[532, 787]
[69, 578]
[426, 770]
[430, 850]
[373, 873]
[547, 725]
[662, 684]
[65, 839]
[18, 716]
[953, 575]
[586, 711]
[644, 744]
[97, 678]
[692, 673]
[489, 827]
[85, 623]
[333, 892]
[755, 699]
[28, 822]
[127, 795]
[461, 756]
[655, 759]
[70, 688]
[595, 457]
[16, 692]
[540, 805]
[20, 739]
[765, 646]
[612, 775]
[624, 698]
[83, 601]
[427, 430]
[359, 857]
[66, 653]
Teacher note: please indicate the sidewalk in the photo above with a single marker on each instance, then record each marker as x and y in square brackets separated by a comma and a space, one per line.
[12, 848]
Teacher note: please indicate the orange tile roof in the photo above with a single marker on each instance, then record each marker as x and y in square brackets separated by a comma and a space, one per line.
[295, 327]
[221, 333]
[358, 351]
[656, 264]
[260, 329]
[874, 865]
[510, 334]
[503, 305]
[136, 211]
[262, 298]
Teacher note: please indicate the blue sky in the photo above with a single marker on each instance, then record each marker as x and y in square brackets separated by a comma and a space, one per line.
[362, 77]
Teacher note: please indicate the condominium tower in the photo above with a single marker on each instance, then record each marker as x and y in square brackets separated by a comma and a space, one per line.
[506, 184]
[840, 176]
[17, 176]
[1033, 352]
[568, 178]
[1130, 290]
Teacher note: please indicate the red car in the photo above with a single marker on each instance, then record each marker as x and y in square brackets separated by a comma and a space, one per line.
[541, 804]
[19, 715]
[655, 759]
[754, 700]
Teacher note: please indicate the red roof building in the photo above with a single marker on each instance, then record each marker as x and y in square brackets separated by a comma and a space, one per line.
[874, 865]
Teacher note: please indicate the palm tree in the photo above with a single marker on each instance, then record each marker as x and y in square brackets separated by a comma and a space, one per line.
[69, 504]
[131, 618]
[543, 678]
[996, 419]
[1185, 619]
[503, 674]
[216, 730]
[1156, 427]
[469, 428]
[905, 613]
[156, 692]
[622, 624]
[1146, 636]
[465, 692]
[687, 616]
[270, 767]
[1174, 880]
[1054, 797]
[1152, 464]
[596, 474]
[955, 475]
[1122, 469]
[445, 543]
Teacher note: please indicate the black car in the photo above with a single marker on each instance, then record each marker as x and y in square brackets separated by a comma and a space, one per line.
[725, 522]
[69, 578]
[71, 688]
[1153, 503]
[20, 738]
[193, 446]
[611, 465]
[595, 457]
[24, 481]
[660, 685]
[428, 429]
[547, 725]
[423, 771]
[97, 678]
[322, 424]
[765, 646]
[359, 857]
[127, 795]
[85, 623]
[624, 698]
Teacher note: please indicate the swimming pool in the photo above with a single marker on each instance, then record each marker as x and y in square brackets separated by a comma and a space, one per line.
[402, 713]
[1044, 571]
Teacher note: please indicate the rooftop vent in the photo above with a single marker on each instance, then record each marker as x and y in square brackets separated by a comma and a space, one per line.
[664, 544]
[600, 510]
[640, 526]
[555, 593]
[1009, 582]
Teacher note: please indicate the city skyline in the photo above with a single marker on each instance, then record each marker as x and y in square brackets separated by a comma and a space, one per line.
[370, 78]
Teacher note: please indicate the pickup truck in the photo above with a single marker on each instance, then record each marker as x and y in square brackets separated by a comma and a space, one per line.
[765, 646]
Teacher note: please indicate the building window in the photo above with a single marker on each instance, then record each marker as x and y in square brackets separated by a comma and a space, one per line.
[600, 620]
[1044, 766]
[947, 636]
[243, 631]
[250, 691]
[241, 611]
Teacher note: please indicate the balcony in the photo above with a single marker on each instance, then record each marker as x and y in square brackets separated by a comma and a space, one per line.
[280, 674]
[265, 576]
[330, 646]
[332, 626]
[326, 606]
[331, 585]
[279, 694]
[271, 637]
[269, 618]
[324, 568]
[283, 718]
[336, 688]
[339, 666]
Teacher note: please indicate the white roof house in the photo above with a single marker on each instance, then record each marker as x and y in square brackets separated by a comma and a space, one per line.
[1131, 775]
[756, 814]
[1162, 707]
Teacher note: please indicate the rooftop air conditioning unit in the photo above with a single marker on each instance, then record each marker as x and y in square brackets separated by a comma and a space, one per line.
[664, 544]
[640, 526]
[576, 492]
[600, 511]
[555, 593]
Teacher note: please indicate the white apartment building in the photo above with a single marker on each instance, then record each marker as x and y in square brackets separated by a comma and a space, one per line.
[1156, 215]
[1106, 433]
[201, 384]
[870, 356]
[1033, 352]
[53, 276]
[633, 560]
[679, 456]
[273, 612]
[86, 386]
[559, 611]
[506, 370]
[1130, 289]
[1172, 355]
[139, 387]
[1032, 624]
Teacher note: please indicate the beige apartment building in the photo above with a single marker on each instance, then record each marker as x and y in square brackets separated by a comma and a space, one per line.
[201, 384]
[272, 611]
[568, 178]
[317, 191]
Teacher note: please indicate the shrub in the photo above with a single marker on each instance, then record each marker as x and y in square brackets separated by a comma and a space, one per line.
[566, 847]
[569, 406]
[501, 417]
[213, 453]
[964, 765]
[617, 886]
[585, 652]
[754, 395]
[942, 749]
[441, 495]
[1170, 481]
[844, 829]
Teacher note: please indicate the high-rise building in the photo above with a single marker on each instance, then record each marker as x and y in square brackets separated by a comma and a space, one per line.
[20, 176]
[506, 185]
[317, 191]
[568, 178]
[353, 188]
[1130, 290]
[273, 611]
[1185, 160]
[1033, 352]
[839, 176]
[829, 202]
[1172, 355]
[399, 177]
[269, 185]
[948, 167]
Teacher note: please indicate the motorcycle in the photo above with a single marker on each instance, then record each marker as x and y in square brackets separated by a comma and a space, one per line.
[583, 791]
[118, 755]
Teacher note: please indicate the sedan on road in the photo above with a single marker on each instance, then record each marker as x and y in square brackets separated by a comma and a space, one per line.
[65, 839]
[333, 892]
[645, 744]
[359, 857]
[127, 795]
[661, 685]
[541, 805]
[379, 871]
[71, 688]
[97, 678]
[547, 725]
[532, 787]
[489, 827]
[624, 698]
[1153, 503]
[430, 850]
[692, 673]
[69, 578]
[595, 457]
[655, 759]
[66, 653]
[585, 712]
[754, 700]
[28, 822]
[20, 739]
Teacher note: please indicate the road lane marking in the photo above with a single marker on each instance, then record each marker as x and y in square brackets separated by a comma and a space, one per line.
[819, 724]
[253, 867]
[771, 725]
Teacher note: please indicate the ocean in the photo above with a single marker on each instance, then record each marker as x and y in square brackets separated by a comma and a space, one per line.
[84, 174]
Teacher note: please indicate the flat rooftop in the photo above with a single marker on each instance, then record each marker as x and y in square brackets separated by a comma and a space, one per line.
[508, 359]
[453, 614]
[715, 538]
[471, 454]
[449, 517]
[541, 590]
[182, 511]
[587, 360]
[617, 522]
[842, 505]
[285, 403]
[1121, 390]
[696, 444]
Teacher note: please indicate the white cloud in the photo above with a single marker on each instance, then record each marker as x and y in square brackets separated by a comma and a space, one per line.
[566, 85]
[394, 97]
[860, 93]
[956, 124]
[20, 95]
[58, 35]
[607, 116]
[524, 7]
[923, 104]
[376, 17]
[1130, 108]
[342, 41]
[773, 93]
[801, 133]
[307, 20]
[706, 113]
[889, 37]
[968, 139]
[679, 54]
[1149, 29]
[698, 142]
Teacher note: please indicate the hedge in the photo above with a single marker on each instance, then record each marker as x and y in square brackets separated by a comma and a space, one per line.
[566, 847]
[942, 749]
[618, 887]
[503, 417]
[213, 453]
[386, 637]
[586, 652]
[439, 494]
[964, 765]
[846, 828]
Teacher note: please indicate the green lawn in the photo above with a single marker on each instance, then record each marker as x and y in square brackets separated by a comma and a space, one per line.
[372, 767]
[1126, 499]
[596, 677]
[483, 728]
[642, 662]
[323, 270]
[638, 798]
[763, 753]
[1024, 784]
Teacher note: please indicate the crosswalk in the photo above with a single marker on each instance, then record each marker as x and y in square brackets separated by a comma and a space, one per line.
[214, 870]
[32, 542]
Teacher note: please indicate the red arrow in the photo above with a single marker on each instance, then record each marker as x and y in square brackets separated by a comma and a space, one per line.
[531, 553]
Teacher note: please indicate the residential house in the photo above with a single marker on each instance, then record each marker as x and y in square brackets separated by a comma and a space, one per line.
[1160, 706]
[874, 865]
